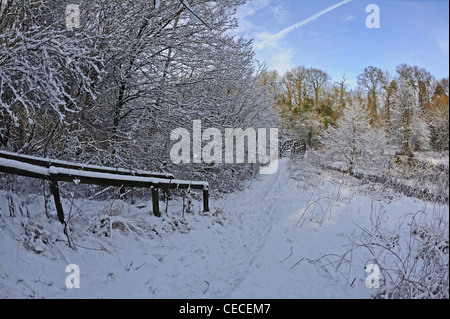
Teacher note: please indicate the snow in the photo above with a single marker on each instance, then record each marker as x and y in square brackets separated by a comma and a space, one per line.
[279, 238]
[52, 170]
[49, 161]
[79, 173]
[7, 163]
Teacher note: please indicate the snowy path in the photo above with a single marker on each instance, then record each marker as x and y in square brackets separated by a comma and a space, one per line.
[273, 240]
[279, 266]
[217, 259]
[248, 257]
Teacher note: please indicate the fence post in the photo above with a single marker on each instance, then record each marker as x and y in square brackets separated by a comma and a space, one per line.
[55, 191]
[206, 200]
[155, 200]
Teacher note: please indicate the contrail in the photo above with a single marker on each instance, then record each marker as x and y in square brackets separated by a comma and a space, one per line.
[300, 24]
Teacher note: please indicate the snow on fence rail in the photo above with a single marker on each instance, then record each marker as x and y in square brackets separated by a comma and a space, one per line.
[47, 162]
[101, 176]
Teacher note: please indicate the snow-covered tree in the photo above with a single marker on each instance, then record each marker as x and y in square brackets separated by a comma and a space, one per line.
[353, 141]
[409, 131]
[309, 127]
[418, 78]
[111, 91]
[46, 74]
[439, 129]
[438, 118]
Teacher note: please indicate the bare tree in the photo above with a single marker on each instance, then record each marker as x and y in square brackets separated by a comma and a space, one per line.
[340, 89]
[300, 78]
[390, 90]
[372, 80]
[317, 79]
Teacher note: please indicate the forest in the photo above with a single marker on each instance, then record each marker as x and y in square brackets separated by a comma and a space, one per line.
[391, 126]
[111, 91]
[92, 94]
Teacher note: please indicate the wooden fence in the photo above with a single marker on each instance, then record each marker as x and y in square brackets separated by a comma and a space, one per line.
[56, 171]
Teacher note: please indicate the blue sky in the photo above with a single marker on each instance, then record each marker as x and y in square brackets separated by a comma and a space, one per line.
[415, 32]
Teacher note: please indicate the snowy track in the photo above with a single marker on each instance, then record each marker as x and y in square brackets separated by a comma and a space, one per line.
[272, 240]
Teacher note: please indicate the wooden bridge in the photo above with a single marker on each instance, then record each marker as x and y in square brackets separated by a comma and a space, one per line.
[56, 171]
[292, 147]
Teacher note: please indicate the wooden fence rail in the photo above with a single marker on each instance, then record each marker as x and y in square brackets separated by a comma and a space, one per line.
[47, 162]
[75, 173]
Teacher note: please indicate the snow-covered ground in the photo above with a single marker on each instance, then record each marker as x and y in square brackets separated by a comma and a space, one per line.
[280, 238]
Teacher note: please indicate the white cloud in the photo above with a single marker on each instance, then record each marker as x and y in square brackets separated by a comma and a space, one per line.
[348, 19]
[248, 10]
[265, 37]
[280, 12]
[282, 61]
[245, 26]
[443, 46]
[251, 7]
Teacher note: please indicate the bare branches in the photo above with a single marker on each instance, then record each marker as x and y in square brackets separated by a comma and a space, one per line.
[413, 255]
[112, 90]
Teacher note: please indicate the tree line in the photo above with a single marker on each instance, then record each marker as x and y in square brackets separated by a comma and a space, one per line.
[412, 103]
[111, 91]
